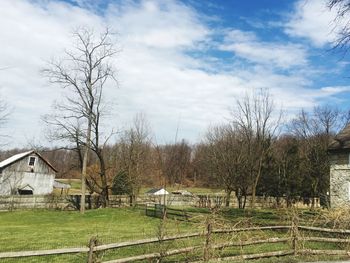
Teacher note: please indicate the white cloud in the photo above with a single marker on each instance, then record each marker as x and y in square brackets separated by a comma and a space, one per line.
[156, 71]
[328, 91]
[158, 24]
[280, 55]
[313, 20]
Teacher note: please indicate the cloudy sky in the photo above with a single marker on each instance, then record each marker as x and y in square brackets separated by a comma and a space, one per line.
[182, 63]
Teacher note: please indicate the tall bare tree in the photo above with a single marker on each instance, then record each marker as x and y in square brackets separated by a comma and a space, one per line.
[258, 121]
[83, 72]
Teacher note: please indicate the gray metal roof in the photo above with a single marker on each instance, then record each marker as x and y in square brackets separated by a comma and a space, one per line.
[20, 156]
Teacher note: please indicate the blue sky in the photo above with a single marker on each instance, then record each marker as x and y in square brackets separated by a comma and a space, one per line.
[182, 63]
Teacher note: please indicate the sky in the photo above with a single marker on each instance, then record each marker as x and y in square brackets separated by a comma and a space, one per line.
[183, 64]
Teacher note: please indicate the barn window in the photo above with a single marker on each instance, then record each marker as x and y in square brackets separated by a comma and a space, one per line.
[31, 161]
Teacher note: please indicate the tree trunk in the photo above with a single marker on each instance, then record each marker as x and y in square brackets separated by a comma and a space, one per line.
[245, 201]
[239, 200]
[228, 197]
[239, 196]
[104, 192]
[256, 180]
[84, 170]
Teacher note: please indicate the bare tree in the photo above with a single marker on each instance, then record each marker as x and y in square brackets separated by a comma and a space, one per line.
[342, 20]
[226, 158]
[83, 73]
[133, 153]
[176, 160]
[314, 130]
[258, 122]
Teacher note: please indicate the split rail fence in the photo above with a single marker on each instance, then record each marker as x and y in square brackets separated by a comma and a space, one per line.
[206, 246]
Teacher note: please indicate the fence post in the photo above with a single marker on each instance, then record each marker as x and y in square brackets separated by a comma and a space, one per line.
[295, 233]
[207, 248]
[92, 256]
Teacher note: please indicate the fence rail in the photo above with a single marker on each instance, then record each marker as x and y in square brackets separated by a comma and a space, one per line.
[217, 246]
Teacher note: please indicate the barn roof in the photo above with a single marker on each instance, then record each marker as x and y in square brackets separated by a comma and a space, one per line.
[341, 141]
[20, 156]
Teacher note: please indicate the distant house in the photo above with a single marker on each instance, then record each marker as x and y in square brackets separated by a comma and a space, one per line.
[26, 173]
[339, 152]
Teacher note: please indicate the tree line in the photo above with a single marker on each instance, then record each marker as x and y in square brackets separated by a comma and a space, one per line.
[253, 153]
[245, 157]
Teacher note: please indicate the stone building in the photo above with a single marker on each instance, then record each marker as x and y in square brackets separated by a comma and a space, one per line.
[339, 152]
[26, 173]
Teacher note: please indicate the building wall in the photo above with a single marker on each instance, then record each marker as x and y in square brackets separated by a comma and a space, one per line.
[339, 179]
[40, 177]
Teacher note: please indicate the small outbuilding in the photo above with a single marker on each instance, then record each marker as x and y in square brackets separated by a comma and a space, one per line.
[157, 191]
[26, 173]
[158, 195]
[339, 153]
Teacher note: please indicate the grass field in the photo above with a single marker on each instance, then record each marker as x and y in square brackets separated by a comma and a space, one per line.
[42, 229]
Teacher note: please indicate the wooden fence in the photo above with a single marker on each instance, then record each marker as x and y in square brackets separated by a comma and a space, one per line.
[70, 202]
[208, 246]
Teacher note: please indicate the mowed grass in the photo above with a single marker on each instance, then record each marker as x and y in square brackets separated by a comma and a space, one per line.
[42, 229]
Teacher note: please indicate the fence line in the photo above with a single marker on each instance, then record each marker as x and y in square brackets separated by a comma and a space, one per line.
[70, 201]
[230, 230]
[96, 248]
[153, 255]
[255, 256]
[327, 230]
[43, 252]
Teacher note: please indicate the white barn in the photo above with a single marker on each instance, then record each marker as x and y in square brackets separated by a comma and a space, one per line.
[26, 173]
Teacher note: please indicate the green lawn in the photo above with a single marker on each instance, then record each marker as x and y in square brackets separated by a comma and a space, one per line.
[42, 229]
